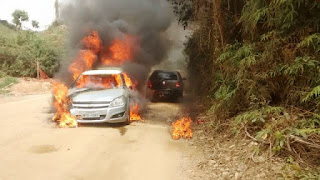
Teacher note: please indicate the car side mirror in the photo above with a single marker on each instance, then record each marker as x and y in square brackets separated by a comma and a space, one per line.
[184, 79]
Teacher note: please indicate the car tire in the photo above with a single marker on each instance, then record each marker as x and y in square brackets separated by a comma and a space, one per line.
[153, 99]
[127, 122]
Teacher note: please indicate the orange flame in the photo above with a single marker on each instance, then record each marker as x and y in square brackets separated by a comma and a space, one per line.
[121, 51]
[87, 57]
[118, 80]
[135, 113]
[62, 102]
[134, 109]
[92, 42]
[82, 63]
[182, 128]
[105, 82]
[129, 82]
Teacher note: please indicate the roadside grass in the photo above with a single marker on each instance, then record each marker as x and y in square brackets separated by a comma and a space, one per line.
[308, 174]
[5, 83]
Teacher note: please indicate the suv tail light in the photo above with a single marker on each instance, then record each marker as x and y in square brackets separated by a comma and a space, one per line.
[149, 84]
[178, 84]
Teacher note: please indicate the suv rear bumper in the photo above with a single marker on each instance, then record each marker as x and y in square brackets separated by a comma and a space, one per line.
[167, 93]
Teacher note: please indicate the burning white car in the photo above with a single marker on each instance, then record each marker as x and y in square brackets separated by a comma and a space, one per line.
[100, 96]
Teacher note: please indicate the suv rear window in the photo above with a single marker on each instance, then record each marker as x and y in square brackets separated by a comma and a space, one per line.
[164, 76]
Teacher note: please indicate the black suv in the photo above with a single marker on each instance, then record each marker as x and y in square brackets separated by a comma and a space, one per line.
[165, 84]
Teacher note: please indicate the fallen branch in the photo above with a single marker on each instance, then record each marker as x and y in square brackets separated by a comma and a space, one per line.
[300, 140]
[253, 138]
[288, 144]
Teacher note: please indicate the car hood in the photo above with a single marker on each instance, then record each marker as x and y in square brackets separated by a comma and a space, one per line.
[96, 95]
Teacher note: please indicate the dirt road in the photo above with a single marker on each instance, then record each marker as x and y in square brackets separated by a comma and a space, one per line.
[31, 147]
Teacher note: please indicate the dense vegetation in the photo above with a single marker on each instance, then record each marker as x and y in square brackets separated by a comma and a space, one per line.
[20, 50]
[258, 62]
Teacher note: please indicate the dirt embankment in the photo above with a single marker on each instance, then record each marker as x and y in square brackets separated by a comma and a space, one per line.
[27, 86]
[225, 156]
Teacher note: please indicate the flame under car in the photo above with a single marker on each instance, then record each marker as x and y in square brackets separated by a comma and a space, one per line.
[100, 96]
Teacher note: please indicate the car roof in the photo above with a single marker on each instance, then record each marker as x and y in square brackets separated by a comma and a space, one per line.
[110, 68]
[102, 72]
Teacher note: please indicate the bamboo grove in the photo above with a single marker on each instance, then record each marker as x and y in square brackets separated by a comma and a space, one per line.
[257, 63]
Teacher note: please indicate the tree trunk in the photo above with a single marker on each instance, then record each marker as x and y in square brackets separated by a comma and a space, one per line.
[218, 21]
[56, 6]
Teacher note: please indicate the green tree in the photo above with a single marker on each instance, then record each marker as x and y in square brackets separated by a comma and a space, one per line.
[19, 16]
[35, 24]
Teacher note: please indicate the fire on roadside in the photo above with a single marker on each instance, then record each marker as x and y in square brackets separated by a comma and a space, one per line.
[135, 108]
[121, 51]
[182, 128]
[62, 102]
[135, 113]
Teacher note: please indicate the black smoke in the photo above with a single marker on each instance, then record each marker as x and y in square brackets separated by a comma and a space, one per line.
[113, 19]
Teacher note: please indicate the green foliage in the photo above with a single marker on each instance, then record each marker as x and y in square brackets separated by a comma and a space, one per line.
[6, 82]
[7, 24]
[315, 93]
[224, 93]
[258, 115]
[21, 50]
[299, 65]
[279, 141]
[19, 16]
[265, 74]
[311, 41]
[35, 24]
[308, 174]
[183, 8]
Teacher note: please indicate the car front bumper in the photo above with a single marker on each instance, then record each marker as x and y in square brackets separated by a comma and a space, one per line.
[106, 115]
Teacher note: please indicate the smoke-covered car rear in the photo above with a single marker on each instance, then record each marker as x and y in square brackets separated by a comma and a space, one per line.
[100, 96]
[165, 85]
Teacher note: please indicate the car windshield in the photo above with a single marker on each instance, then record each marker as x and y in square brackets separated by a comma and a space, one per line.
[165, 76]
[99, 81]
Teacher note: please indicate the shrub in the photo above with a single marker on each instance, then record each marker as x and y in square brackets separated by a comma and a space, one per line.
[21, 50]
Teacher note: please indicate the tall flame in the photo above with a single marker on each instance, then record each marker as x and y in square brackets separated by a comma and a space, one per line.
[182, 128]
[62, 102]
[134, 108]
[87, 57]
[121, 51]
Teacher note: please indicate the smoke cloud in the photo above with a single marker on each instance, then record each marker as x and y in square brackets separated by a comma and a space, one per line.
[148, 20]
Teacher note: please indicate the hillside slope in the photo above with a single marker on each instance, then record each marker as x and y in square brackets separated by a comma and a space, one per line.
[20, 50]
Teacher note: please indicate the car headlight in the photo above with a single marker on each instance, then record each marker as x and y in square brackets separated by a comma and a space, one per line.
[120, 101]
